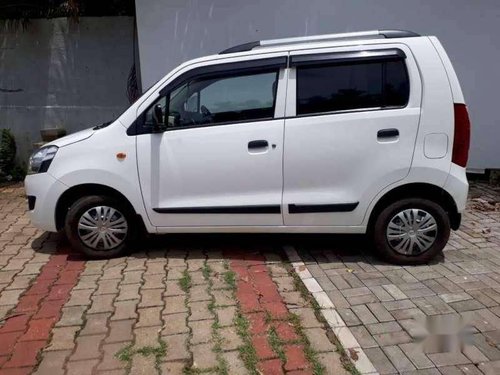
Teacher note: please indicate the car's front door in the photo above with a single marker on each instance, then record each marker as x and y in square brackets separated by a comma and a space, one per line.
[216, 156]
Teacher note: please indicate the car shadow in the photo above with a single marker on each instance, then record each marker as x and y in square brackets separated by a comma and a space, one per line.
[312, 248]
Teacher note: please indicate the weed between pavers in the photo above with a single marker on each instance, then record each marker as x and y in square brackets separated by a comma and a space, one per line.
[247, 351]
[125, 354]
[276, 344]
[230, 279]
[185, 281]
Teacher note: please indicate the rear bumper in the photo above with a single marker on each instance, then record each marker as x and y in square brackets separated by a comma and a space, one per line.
[43, 191]
[458, 187]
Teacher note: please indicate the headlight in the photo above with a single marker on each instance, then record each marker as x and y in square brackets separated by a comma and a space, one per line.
[41, 159]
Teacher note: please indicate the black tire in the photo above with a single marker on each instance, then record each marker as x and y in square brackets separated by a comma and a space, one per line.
[383, 246]
[81, 206]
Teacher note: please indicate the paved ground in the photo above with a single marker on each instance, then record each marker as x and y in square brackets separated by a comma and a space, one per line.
[181, 304]
[234, 304]
[385, 306]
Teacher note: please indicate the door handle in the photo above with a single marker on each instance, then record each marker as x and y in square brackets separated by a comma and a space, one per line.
[387, 133]
[260, 143]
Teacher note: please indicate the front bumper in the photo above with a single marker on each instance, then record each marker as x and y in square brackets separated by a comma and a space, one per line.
[44, 190]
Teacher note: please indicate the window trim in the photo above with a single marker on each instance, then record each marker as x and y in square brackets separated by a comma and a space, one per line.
[269, 65]
[348, 58]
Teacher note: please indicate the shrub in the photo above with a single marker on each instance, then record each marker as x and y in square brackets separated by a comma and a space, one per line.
[9, 171]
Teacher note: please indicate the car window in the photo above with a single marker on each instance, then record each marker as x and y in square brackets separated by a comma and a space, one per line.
[355, 85]
[223, 99]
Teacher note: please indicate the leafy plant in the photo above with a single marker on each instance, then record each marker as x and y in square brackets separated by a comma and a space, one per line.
[9, 171]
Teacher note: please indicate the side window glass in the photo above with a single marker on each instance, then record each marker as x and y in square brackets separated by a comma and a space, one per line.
[156, 113]
[223, 99]
[356, 85]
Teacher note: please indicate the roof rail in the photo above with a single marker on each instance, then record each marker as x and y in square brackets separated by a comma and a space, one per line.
[374, 34]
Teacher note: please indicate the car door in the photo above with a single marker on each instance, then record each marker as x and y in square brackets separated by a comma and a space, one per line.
[352, 121]
[215, 157]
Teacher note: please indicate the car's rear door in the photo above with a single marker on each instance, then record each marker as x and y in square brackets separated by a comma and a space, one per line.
[352, 120]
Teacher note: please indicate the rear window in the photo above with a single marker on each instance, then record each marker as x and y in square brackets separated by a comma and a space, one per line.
[354, 85]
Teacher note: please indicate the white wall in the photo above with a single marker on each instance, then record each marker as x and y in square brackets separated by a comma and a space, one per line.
[60, 73]
[173, 31]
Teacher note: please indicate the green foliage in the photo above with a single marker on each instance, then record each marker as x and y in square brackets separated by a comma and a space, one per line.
[9, 171]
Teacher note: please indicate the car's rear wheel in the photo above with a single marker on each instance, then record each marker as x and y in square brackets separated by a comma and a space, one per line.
[100, 226]
[411, 231]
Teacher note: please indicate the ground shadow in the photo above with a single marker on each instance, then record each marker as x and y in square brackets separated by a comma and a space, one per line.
[346, 248]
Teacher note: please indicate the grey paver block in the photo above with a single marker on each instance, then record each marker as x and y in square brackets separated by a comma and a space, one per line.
[416, 355]
[349, 317]
[386, 327]
[364, 337]
[448, 359]
[380, 361]
[392, 338]
[380, 312]
[364, 314]
[398, 358]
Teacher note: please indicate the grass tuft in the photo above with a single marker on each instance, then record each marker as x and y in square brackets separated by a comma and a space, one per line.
[230, 279]
[185, 281]
[276, 344]
[247, 351]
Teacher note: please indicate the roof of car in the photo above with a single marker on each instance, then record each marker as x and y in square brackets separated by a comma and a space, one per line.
[373, 34]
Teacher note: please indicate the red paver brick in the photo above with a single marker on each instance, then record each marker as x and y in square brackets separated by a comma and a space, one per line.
[24, 336]
[40, 287]
[271, 367]
[25, 353]
[262, 347]
[68, 277]
[249, 302]
[3, 359]
[50, 309]
[278, 310]
[16, 323]
[269, 295]
[258, 269]
[8, 341]
[286, 331]
[57, 260]
[29, 303]
[39, 329]
[59, 292]
[48, 273]
[258, 325]
[295, 358]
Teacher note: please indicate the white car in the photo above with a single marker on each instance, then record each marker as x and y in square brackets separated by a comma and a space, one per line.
[348, 133]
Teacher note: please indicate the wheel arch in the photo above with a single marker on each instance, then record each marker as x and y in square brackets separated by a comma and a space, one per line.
[418, 190]
[76, 192]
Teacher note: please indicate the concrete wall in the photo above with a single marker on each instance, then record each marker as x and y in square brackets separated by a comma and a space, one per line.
[61, 73]
[173, 31]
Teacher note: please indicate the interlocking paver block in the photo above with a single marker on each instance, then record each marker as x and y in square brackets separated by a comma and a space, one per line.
[87, 347]
[175, 324]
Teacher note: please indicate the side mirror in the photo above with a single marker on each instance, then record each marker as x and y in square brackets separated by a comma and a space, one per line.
[158, 122]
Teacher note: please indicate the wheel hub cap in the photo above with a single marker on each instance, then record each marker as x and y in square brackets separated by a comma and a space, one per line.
[102, 228]
[411, 231]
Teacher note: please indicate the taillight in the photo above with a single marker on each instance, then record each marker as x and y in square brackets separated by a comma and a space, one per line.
[461, 140]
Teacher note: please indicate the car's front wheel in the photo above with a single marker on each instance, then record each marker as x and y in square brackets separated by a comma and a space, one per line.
[411, 231]
[100, 226]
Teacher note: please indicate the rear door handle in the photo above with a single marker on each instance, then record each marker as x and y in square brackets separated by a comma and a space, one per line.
[387, 133]
[260, 143]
